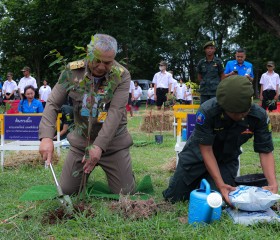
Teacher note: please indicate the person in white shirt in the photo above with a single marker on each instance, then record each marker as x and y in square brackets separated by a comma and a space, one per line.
[269, 87]
[181, 91]
[25, 81]
[129, 103]
[9, 87]
[151, 95]
[137, 95]
[173, 84]
[44, 92]
[162, 84]
[188, 96]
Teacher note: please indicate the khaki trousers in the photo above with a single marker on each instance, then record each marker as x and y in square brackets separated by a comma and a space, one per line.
[115, 162]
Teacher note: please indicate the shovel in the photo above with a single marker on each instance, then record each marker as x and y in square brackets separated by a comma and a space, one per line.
[65, 200]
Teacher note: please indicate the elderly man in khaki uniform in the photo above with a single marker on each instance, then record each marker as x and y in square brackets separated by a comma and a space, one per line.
[109, 138]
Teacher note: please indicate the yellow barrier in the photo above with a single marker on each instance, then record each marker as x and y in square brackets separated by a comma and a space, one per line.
[179, 115]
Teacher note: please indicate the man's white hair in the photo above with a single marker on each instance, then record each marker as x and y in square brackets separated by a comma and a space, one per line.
[103, 42]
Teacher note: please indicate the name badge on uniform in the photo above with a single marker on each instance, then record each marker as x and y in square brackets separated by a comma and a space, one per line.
[102, 117]
[86, 106]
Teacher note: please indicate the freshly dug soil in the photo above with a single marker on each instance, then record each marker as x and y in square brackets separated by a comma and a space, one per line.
[60, 214]
[139, 209]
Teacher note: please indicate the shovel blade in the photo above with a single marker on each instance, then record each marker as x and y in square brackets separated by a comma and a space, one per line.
[65, 200]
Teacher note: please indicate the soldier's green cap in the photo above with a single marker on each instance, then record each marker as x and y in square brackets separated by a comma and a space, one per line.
[210, 43]
[234, 94]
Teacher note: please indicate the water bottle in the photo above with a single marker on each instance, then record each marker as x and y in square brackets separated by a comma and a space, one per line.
[184, 134]
[204, 205]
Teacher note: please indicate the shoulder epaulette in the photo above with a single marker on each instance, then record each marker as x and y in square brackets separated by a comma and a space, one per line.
[121, 70]
[77, 64]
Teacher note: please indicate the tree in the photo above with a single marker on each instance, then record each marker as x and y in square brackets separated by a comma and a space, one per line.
[63, 24]
[265, 13]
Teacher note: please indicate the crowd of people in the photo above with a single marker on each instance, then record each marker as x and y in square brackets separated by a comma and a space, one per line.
[226, 119]
[31, 99]
[163, 84]
[211, 71]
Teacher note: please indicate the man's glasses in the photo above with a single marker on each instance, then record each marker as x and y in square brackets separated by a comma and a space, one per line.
[269, 66]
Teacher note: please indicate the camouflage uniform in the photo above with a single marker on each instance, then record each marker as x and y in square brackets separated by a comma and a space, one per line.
[210, 72]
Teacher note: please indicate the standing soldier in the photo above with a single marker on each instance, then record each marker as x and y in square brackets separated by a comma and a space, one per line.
[210, 72]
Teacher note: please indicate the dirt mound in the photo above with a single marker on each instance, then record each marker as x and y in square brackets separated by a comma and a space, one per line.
[138, 209]
[59, 214]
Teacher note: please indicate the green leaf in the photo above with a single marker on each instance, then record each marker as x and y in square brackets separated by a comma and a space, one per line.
[40, 192]
[56, 61]
[80, 48]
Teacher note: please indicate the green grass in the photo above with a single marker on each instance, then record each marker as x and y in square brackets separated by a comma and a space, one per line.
[106, 224]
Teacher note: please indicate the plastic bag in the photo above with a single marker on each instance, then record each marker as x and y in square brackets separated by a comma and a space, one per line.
[250, 198]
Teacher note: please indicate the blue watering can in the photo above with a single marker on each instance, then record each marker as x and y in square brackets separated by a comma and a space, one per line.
[204, 205]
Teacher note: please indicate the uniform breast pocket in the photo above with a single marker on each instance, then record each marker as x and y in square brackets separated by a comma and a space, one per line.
[243, 138]
[214, 68]
[203, 69]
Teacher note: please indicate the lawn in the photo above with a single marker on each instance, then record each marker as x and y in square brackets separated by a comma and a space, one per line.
[107, 224]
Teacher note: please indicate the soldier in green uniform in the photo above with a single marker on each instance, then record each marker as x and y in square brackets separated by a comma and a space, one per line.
[210, 72]
[66, 121]
[104, 98]
[223, 124]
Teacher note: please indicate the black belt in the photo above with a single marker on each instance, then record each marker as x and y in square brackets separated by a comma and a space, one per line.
[270, 90]
[162, 88]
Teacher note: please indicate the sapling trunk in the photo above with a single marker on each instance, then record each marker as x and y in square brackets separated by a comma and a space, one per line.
[82, 190]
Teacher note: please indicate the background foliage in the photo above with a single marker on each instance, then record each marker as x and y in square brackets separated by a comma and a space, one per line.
[147, 32]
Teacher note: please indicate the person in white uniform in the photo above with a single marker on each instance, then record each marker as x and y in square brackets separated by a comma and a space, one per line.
[162, 84]
[173, 84]
[151, 95]
[269, 92]
[25, 81]
[188, 96]
[9, 87]
[137, 95]
[181, 91]
[44, 92]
